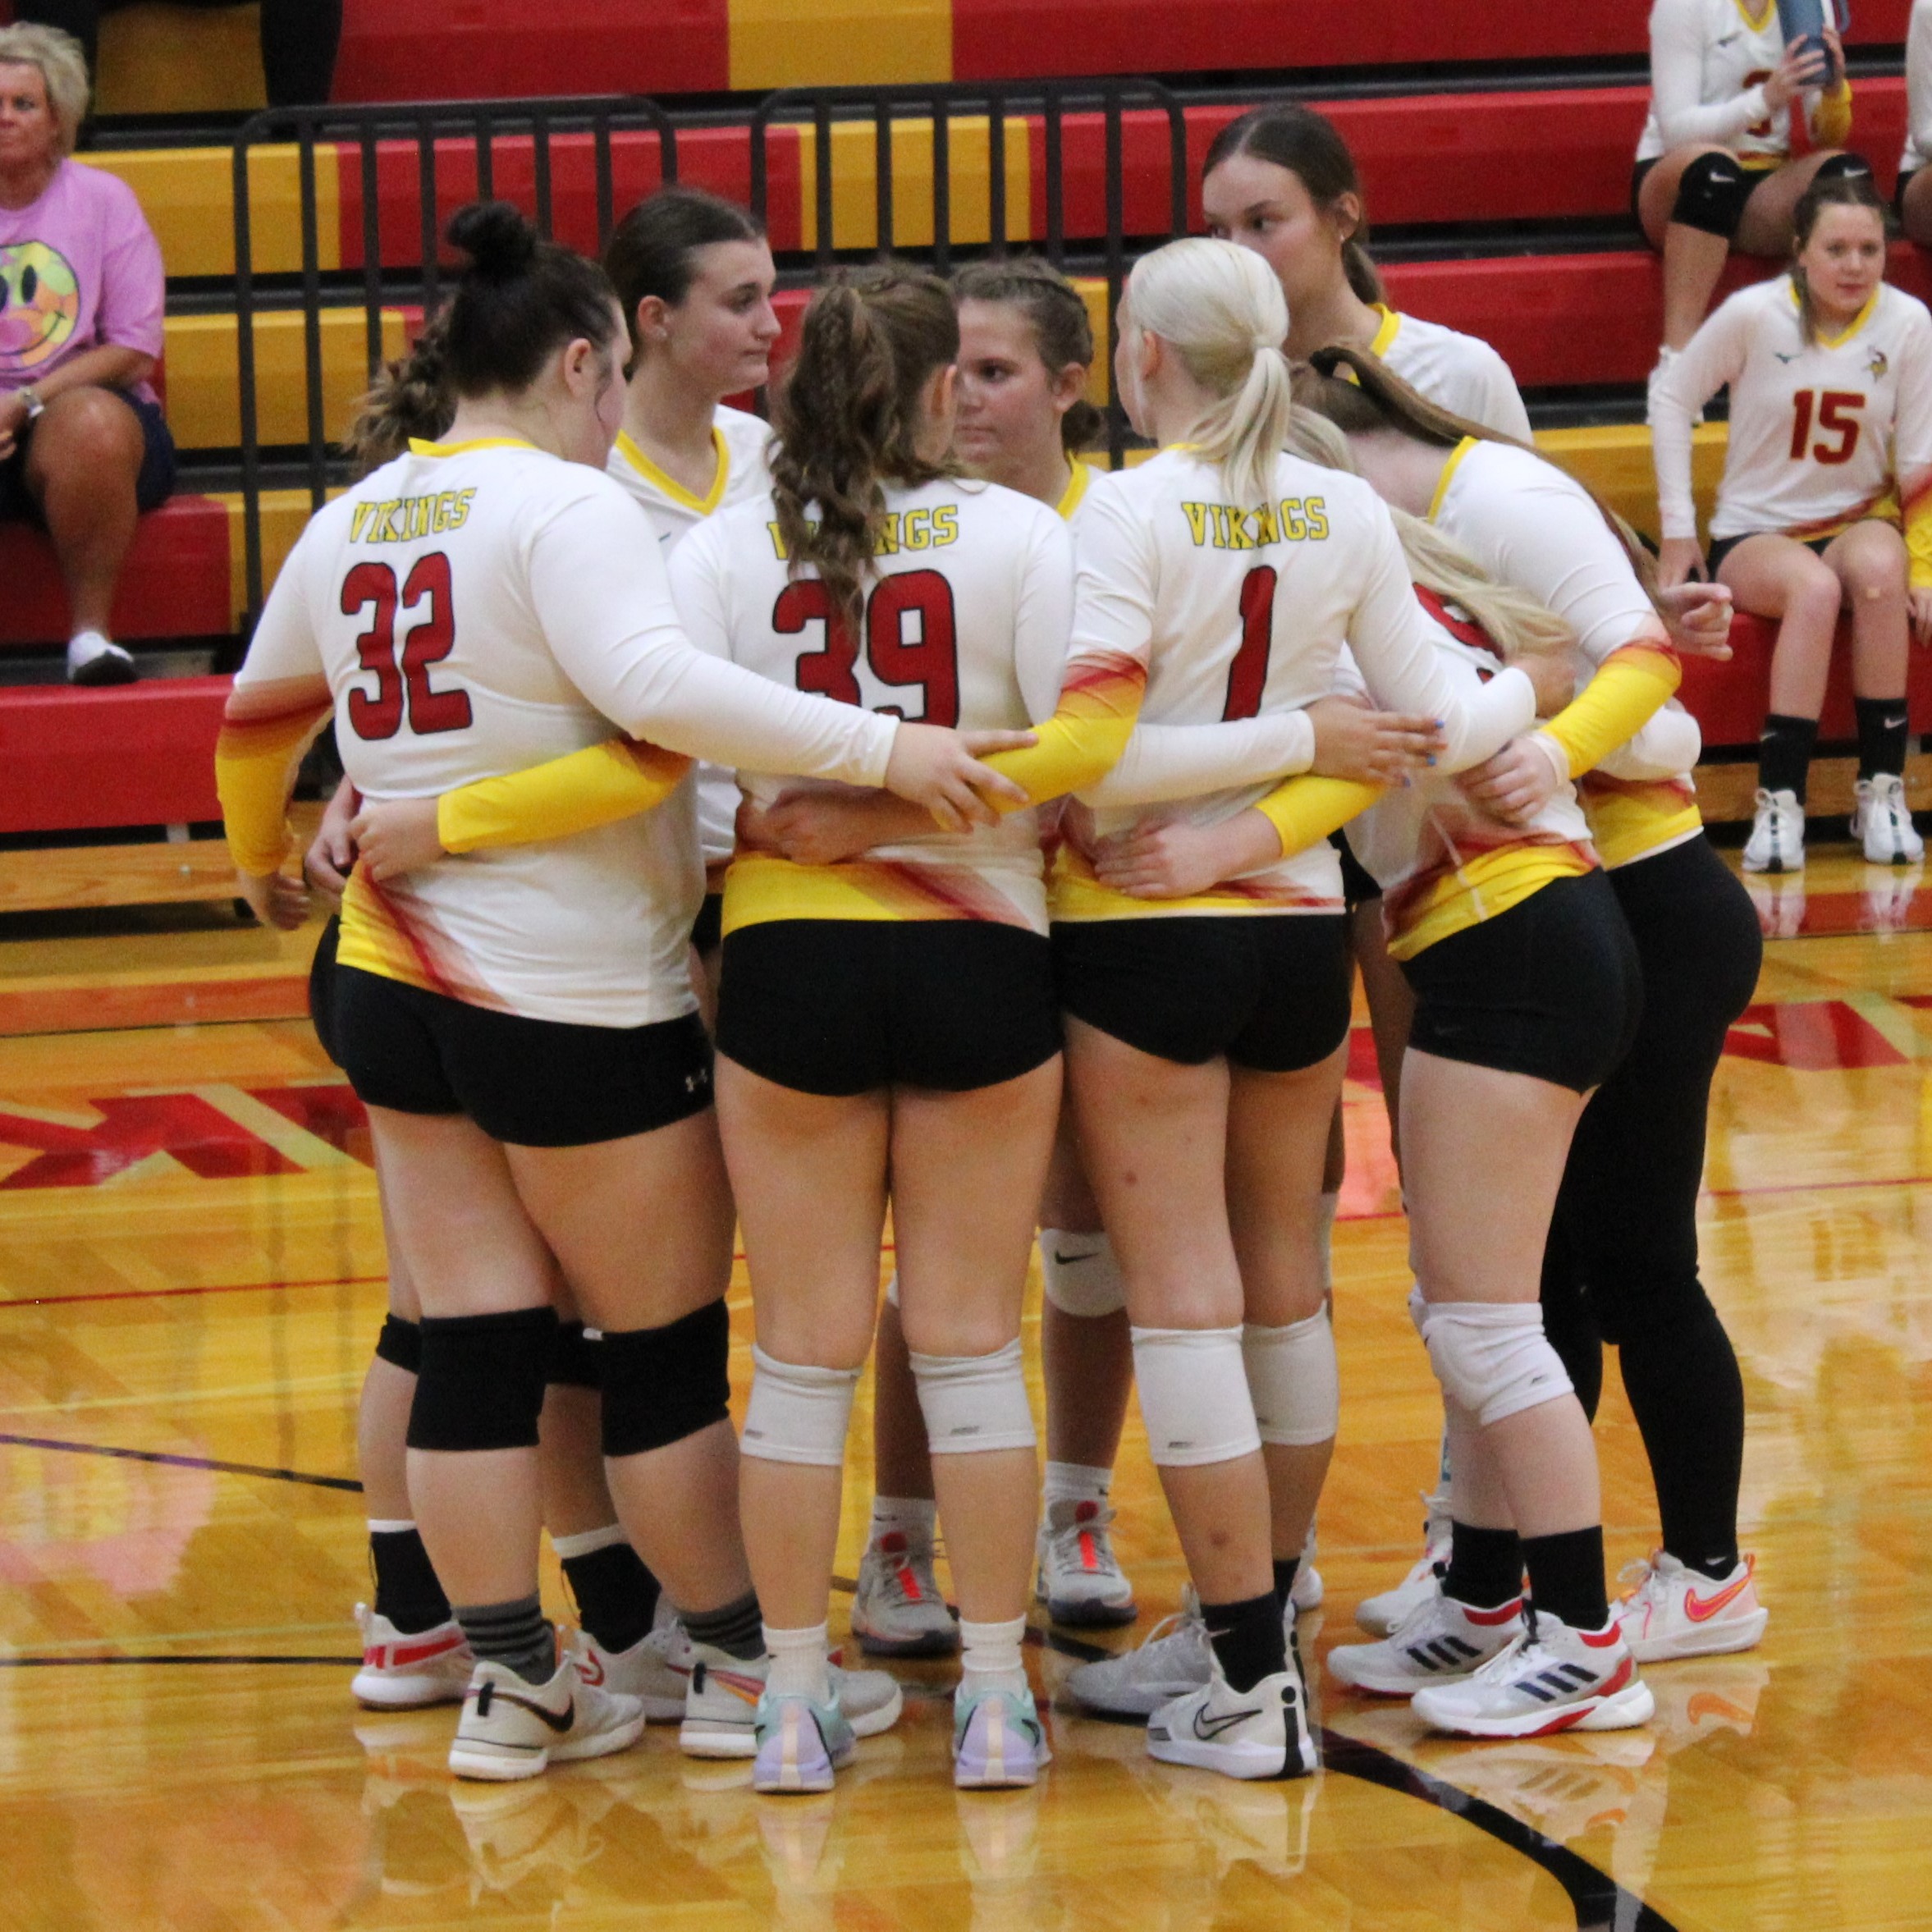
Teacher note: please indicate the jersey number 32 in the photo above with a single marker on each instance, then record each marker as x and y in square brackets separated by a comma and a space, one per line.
[402, 683]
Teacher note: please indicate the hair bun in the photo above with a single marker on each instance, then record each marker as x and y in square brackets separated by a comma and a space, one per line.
[495, 236]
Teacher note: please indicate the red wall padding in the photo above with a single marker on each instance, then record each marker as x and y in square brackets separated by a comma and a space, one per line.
[174, 584]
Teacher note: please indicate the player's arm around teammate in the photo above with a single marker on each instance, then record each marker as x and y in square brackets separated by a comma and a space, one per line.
[532, 1100]
[1830, 373]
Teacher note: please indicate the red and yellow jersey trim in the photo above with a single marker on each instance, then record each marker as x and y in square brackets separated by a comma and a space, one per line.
[265, 730]
[1631, 685]
[420, 447]
[1448, 474]
[662, 479]
[385, 933]
[761, 887]
[1853, 326]
[1075, 895]
[1078, 485]
[1083, 740]
[1429, 907]
[1916, 502]
[1386, 331]
[560, 798]
[1631, 818]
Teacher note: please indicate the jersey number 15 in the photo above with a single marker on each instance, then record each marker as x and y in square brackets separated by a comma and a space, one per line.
[404, 685]
[1832, 406]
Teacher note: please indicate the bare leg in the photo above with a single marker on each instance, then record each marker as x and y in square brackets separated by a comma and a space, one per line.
[1693, 260]
[1778, 577]
[1087, 1360]
[383, 1421]
[902, 1459]
[1870, 560]
[1918, 207]
[1391, 1009]
[81, 468]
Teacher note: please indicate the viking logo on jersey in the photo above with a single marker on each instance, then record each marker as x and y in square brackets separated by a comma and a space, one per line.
[1295, 519]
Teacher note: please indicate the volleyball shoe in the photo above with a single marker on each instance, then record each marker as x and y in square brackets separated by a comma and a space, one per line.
[1673, 1611]
[1260, 1733]
[1437, 1642]
[405, 1672]
[1079, 1578]
[1551, 1678]
[512, 1728]
[897, 1609]
[1379, 1615]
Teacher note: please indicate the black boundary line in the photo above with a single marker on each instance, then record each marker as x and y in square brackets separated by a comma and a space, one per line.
[171, 1462]
[1600, 1902]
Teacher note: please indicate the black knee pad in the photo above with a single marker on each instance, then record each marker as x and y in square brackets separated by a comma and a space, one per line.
[401, 1343]
[1711, 194]
[480, 1385]
[1838, 168]
[574, 1358]
[661, 1384]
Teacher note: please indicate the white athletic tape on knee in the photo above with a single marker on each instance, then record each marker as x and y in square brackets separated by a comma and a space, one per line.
[797, 1414]
[974, 1404]
[1194, 1399]
[1492, 1357]
[1082, 1273]
[1293, 1382]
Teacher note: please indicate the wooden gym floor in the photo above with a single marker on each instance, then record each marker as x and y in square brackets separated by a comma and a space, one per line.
[190, 1280]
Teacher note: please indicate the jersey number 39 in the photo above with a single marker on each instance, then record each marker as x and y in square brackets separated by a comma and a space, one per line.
[405, 685]
[932, 663]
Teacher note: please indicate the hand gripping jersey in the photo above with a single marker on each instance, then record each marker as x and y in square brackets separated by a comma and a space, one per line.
[1822, 434]
[1455, 372]
[965, 625]
[1918, 90]
[1528, 523]
[469, 610]
[743, 473]
[1190, 610]
[1709, 60]
[1443, 863]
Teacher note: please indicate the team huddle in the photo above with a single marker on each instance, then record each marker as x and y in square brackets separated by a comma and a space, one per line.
[758, 829]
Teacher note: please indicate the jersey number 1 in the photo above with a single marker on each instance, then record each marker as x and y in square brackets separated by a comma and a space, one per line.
[427, 643]
[1248, 676]
[1831, 406]
[932, 663]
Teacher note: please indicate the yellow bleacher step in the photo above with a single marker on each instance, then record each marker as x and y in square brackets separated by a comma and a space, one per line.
[1614, 461]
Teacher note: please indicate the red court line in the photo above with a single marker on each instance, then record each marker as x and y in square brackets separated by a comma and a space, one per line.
[154, 1294]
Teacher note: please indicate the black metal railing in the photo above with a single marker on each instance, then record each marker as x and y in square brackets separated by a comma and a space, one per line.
[449, 151]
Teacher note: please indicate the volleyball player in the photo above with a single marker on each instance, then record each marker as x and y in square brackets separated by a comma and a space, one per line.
[549, 1096]
[1830, 369]
[1913, 198]
[1621, 1264]
[1714, 166]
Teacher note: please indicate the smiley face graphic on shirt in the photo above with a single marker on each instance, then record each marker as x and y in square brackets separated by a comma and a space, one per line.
[39, 304]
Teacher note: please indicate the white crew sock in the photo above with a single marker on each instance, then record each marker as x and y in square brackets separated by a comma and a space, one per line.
[1076, 1482]
[913, 1518]
[85, 646]
[990, 1655]
[800, 1664]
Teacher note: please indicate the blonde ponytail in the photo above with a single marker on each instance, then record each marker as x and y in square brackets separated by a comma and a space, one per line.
[1221, 311]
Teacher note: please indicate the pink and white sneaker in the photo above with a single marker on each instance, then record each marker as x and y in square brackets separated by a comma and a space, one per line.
[405, 1673]
[1552, 1678]
[1671, 1611]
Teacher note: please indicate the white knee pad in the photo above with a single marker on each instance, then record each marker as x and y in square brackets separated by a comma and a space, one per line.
[797, 1414]
[1492, 1357]
[1082, 1274]
[1194, 1399]
[974, 1403]
[1292, 1379]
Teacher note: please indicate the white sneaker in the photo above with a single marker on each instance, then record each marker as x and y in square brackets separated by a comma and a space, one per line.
[512, 1728]
[1173, 1659]
[1379, 1615]
[656, 1669]
[1882, 822]
[1674, 1612]
[1439, 1641]
[721, 1703]
[93, 660]
[1776, 840]
[1079, 1579]
[999, 1743]
[401, 1673]
[897, 1609]
[1308, 1590]
[1258, 1733]
[1551, 1678]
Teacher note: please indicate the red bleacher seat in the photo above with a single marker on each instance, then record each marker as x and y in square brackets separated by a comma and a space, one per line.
[1729, 700]
[174, 584]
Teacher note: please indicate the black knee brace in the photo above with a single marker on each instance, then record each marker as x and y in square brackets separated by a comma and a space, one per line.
[574, 1359]
[661, 1384]
[480, 1385]
[1836, 167]
[1711, 192]
[401, 1343]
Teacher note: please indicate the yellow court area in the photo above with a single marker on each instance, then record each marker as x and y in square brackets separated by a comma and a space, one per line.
[191, 1282]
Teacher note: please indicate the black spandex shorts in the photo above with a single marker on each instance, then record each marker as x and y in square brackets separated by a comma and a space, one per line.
[844, 1006]
[533, 1083]
[1551, 988]
[152, 485]
[1271, 991]
[707, 929]
[322, 988]
[1358, 883]
[1722, 546]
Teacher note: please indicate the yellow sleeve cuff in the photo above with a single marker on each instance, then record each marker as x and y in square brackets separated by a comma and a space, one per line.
[1832, 123]
[1086, 736]
[1629, 686]
[1304, 811]
[574, 794]
[1918, 534]
[255, 764]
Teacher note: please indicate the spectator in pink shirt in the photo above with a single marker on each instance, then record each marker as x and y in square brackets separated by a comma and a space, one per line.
[83, 446]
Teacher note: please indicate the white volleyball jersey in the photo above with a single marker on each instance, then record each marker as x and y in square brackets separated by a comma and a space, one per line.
[965, 625]
[1240, 614]
[743, 473]
[1461, 373]
[1918, 88]
[479, 608]
[1819, 431]
[1709, 61]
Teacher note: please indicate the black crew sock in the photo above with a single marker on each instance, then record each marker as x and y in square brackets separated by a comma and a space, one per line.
[735, 1629]
[516, 1633]
[616, 1594]
[1784, 754]
[1247, 1638]
[1566, 1576]
[407, 1591]
[1687, 1396]
[1484, 1567]
[1885, 726]
[1285, 1570]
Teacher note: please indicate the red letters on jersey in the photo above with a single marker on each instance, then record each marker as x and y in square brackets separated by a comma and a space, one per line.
[427, 643]
[1248, 676]
[1833, 408]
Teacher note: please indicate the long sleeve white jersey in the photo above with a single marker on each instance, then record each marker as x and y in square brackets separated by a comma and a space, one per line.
[965, 625]
[743, 473]
[1458, 372]
[1820, 432]
[1245, 614]
[479, 608]
[1918, 88]
[1708, 62]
